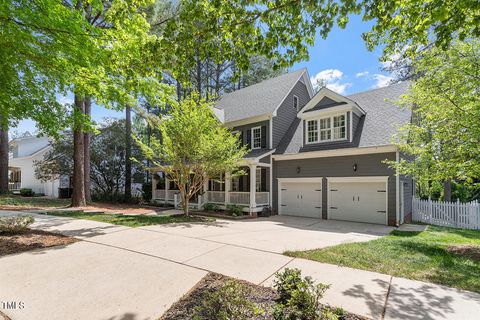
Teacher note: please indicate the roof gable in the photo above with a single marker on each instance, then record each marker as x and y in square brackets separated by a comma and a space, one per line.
[327, 101]
[261, 99]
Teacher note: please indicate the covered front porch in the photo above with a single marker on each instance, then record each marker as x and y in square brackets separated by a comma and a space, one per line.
[14, 179]
[250, 190]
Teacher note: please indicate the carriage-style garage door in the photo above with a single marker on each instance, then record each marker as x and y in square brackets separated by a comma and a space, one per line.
[301, 198]
[358, 199]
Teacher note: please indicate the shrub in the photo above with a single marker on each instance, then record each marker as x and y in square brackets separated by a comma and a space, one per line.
[299, 298]
[147, 191]
[231, 301]
[235, 210]
[211, 207]
[16, 224]
[27, 192]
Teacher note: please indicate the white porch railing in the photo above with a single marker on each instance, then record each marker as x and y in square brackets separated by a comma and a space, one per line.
[14, 186]
[262, 198]
[448, 214]
[215, 196]
[159, 194]
[240, 198]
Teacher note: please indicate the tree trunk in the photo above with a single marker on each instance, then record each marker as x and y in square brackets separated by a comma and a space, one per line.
[78, 196]
[86, 151]
[447, 190]
[128, 153]
[3, 156]
[185, 204]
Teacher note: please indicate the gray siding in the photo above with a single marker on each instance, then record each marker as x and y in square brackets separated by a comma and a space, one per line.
[249, 126]
[368, 165]
[407, 194]
[286, 113]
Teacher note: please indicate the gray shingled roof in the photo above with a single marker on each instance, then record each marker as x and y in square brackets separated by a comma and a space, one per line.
[376, 128]
[258, 99]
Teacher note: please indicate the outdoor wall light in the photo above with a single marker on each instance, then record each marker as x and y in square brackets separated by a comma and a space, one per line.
[298, 169]
[355, 167]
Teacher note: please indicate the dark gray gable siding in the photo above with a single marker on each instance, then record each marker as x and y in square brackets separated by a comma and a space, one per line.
[286, 113]
[368, 165]
[249, 126]
[326, 102]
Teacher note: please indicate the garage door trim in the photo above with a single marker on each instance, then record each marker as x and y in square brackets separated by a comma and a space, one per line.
[286, 180]
[357, 179]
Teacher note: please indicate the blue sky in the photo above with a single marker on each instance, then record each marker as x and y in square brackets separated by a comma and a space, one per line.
[342, 61]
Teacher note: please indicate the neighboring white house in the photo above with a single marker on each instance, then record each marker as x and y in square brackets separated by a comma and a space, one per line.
[24, 151]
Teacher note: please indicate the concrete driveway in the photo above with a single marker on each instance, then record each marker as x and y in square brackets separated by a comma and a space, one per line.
[131, 274]
[278, 233]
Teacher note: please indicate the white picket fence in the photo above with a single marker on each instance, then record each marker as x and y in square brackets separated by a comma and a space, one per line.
[448, 214]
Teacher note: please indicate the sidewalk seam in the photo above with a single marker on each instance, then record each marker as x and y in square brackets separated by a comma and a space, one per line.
[386, 298]
[283, 266]
[209, 251]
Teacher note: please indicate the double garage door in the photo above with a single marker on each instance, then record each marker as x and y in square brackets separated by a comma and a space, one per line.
[351, 199]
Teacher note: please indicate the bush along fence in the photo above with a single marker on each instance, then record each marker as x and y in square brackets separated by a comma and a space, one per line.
[447, 214]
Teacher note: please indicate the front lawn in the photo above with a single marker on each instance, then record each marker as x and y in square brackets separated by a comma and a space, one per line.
[129, 220]
[440, 255]
[17, 202]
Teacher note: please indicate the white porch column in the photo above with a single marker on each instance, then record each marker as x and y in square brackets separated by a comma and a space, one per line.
[154, 185]
[167, 182]
[205, 190]
[228, 185]
[253, 180]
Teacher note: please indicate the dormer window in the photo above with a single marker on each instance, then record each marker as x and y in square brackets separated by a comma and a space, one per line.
[256, 138]
[332, 128]
[295, 102]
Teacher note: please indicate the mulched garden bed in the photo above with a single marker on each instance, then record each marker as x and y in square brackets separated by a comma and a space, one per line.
[30, 240]
[467, 251]
[262, 297]
[223, 215]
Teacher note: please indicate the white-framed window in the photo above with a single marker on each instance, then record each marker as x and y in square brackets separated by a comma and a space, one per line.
[235, 184]
[339, 127]
[256, 138]
[295, 102]
[325, 129]
[312, 131]
[258, 180]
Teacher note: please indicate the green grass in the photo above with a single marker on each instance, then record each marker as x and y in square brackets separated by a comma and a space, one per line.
[414, 255]
[129, 220]
[16, 201]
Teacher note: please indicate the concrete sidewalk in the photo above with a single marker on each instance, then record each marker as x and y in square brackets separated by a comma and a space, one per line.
[118, 271]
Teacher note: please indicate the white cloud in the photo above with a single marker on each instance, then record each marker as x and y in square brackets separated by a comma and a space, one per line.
[362, 74]
[381, 80]
[333, 80]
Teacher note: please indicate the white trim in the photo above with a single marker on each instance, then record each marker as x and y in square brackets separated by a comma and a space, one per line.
[309, 89]
[298, 102]
[270, 125]
[358, 179]
[270, 189]
[397, 191]
[331, 110]
[351, 126]
[252, 139]
[296, 180]
[314, 179]
[325, 92]
[246, 121]
[336, 152]
[332, 131]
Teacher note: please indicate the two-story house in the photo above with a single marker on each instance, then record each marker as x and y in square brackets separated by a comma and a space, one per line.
[24, 152]
[313, 155]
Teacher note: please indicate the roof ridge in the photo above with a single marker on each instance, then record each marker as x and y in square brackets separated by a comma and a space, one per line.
[381, 88]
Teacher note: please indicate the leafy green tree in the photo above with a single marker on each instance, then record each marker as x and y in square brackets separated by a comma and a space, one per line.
[108, 166]
[444, 135]
[194, 146]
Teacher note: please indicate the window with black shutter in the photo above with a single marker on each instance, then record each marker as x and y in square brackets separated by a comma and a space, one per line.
[249, 139]
[264, 137]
